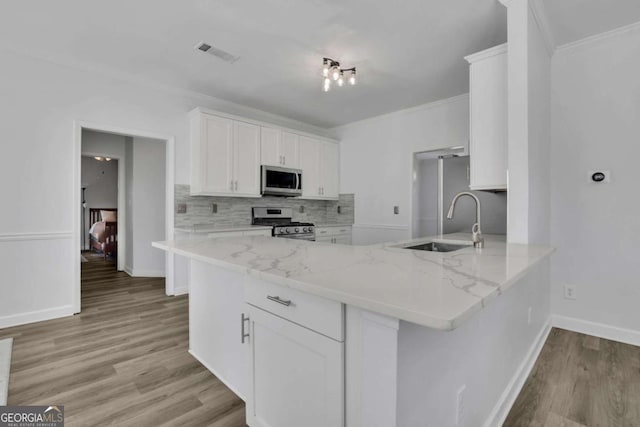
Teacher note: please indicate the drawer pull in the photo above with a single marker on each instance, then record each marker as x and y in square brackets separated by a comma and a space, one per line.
[279, 301]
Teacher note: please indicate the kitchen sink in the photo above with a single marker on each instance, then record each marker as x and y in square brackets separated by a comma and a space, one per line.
[438, 247]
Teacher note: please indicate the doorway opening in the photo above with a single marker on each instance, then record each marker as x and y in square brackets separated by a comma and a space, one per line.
[124, 188]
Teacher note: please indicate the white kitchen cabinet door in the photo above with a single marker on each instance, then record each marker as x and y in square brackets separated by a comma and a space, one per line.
[329, 170]
[289, 150]
[216, 303]
[310, 165]
[216, 155]
[270, 146]
[246, 163]
[296, 375]
[488, 126]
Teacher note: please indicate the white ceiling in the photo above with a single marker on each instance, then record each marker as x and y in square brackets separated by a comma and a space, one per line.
[407, 52]
[572, 20]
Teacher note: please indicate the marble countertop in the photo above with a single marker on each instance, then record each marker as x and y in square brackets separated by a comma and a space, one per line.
[433, 289]
[334, 224]
[220, 228]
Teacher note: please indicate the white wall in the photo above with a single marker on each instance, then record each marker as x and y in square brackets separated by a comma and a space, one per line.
[145, 206]
[40, 101]
[376, 162]
[596, 125]
[100, 180]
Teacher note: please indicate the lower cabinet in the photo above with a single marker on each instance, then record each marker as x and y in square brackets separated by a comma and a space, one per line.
[334, 234]
[295, 348]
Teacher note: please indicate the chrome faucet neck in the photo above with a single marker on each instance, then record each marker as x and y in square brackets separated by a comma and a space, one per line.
[476, 230]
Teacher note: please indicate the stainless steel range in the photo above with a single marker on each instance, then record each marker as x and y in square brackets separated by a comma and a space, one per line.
[283, 226]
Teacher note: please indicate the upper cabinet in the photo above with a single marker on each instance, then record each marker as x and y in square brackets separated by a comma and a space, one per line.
[488, 111]
[227, 152]
[225, 157]
[319, 161]
[279, 148]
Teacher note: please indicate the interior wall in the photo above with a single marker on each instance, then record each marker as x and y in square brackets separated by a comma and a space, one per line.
[147, 207]
[376, 163]
[43, 99]
[128, 262]
[100, 180]
[595, 227]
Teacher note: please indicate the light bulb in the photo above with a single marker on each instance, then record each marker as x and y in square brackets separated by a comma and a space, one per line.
[352, 78]
[98, 158]
[336, 73]
[325, 68]
[341, 79]
[327, 84]
[108, 159]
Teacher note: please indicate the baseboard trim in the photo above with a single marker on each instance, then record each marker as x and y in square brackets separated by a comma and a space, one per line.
[221, 378]
[600, 330]
[143, 273]
[180, 291]
[508, 397]
[36, 316]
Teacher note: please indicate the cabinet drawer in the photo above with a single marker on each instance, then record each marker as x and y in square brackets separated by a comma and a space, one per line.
[318, 314]
[333, 231]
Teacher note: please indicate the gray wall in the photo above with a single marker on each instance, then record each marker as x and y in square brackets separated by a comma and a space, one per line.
[236, 211]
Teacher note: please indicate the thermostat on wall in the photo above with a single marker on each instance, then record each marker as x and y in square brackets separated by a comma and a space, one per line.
[600, 176]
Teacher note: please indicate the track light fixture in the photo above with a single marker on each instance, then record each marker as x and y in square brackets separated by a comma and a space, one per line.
[331, 71]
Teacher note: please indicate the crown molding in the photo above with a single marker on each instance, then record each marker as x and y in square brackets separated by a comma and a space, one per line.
[541, 17]
[599, 37]
[487, 53]
[422, 107]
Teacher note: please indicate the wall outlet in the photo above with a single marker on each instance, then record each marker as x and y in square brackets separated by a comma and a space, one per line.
[339, 209]
[529, 316]
[214, 208]
[181, 208]
[569, 291]
[460, 405]
[301, 210]
[600, 176]
[396, 210]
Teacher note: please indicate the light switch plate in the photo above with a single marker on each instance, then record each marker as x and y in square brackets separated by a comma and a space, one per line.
[214, 208]
[396, 210]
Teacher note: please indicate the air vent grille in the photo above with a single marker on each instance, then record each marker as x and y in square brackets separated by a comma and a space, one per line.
[219, 53]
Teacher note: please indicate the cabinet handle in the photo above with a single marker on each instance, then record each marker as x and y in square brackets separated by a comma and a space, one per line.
[231, 185]
[243, 335]
[236, 185]
[279, 301]
[284, 160]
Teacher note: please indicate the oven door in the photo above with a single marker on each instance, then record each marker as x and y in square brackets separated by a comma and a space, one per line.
[278, 181]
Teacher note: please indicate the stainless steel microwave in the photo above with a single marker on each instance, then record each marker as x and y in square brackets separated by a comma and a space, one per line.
[277, 181]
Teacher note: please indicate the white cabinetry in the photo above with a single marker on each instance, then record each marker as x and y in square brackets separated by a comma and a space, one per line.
[296, 373]
[319, 161]
[334, 234]
[488, 113]
[279, 148]
[225, 156]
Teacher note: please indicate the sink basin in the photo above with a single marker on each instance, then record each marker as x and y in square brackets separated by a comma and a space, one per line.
[437, 247]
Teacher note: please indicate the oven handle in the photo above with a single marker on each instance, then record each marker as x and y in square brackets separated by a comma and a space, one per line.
[297, 181]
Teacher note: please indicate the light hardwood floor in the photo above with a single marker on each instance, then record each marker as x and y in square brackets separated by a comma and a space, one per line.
[578, 381]
[122, 361]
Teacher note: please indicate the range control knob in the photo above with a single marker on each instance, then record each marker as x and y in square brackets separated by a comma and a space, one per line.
[288, 230]
[297, 230]
[305, 229]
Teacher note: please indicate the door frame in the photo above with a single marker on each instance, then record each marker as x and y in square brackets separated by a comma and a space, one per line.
[78, 126]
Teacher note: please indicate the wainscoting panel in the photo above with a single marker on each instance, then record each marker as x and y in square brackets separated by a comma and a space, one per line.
[37, 276]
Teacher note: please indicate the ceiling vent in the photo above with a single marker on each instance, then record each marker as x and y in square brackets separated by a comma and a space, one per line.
[219, 53]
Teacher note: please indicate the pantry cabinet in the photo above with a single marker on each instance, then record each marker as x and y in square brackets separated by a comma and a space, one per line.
[488, 115]
[319, 161]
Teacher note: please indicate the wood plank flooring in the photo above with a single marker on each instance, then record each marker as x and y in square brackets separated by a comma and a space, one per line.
[122, 361]
[580, 381]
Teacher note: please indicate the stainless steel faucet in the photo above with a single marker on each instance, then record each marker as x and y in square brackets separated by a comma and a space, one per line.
[476, 232]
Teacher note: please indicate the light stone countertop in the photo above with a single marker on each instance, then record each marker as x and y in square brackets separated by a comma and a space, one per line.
[334, 224]
[434, 289]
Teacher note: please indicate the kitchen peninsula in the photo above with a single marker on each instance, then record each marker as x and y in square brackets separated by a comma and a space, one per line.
[364, 335]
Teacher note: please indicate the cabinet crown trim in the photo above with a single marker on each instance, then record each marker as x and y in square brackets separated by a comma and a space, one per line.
[487, 53]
